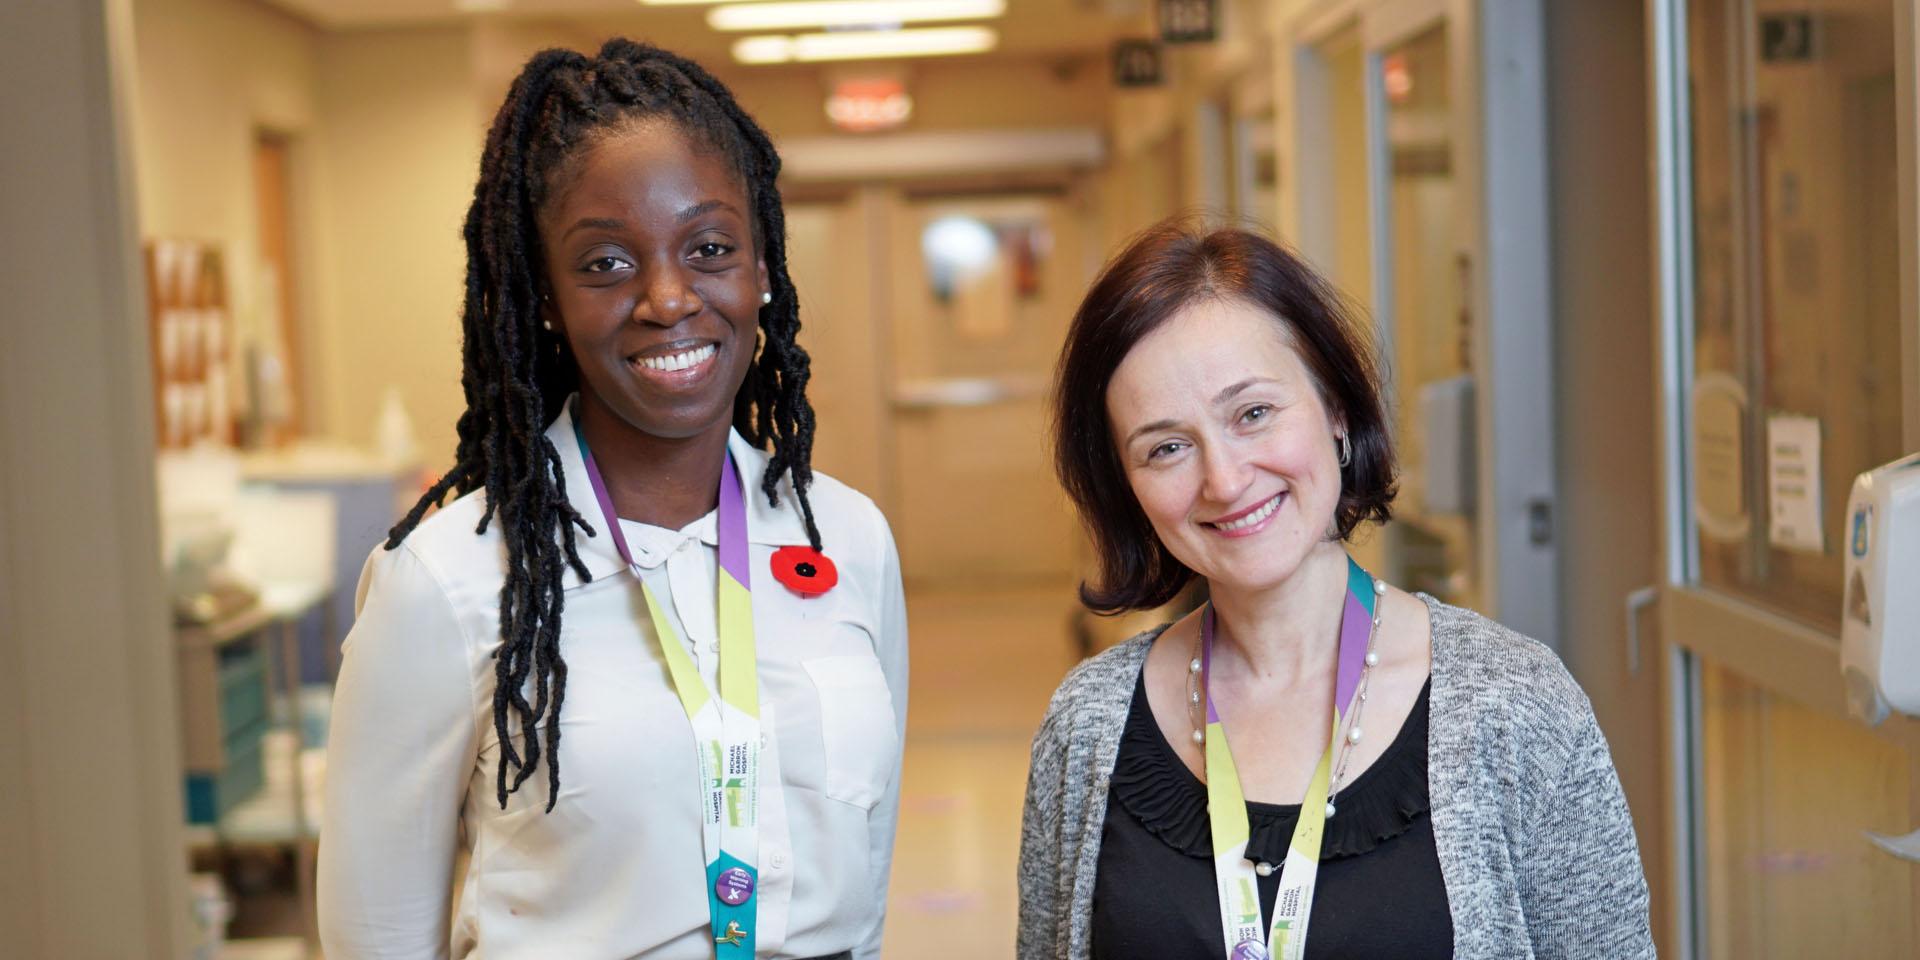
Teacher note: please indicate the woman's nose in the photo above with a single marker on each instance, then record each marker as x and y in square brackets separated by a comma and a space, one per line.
[669, 298]
[1224, 476]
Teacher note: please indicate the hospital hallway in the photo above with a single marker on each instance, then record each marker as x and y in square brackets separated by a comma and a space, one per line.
[985, 660]
[1640, 280]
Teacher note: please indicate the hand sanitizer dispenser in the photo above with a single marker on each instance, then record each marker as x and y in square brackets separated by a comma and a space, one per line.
[1880, 623]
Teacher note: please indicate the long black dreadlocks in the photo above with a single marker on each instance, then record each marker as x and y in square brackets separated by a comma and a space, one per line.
[517, 375]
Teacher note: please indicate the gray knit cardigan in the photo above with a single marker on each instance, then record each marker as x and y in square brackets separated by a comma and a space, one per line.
[1536, 847]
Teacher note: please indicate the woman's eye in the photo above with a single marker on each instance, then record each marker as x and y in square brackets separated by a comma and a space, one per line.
[710, 250]
[1166, 449]
[1256, 413]
[605, 264]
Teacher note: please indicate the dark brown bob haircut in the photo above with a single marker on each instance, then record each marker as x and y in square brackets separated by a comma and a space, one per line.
[1163, 270]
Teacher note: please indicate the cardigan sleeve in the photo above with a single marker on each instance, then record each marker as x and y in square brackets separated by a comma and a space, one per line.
[1067, 800]
[1043, 907]
[1581, 884]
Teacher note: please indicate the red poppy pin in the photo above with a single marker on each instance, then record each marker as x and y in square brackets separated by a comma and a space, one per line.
[804, 570]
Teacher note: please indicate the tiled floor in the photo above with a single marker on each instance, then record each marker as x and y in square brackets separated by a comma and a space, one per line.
[984, 664]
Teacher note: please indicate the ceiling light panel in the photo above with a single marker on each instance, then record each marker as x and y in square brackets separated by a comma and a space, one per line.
[848, 13]
[764, 50]
[866, 45]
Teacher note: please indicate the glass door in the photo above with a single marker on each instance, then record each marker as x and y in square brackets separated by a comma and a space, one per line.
[1787, 353]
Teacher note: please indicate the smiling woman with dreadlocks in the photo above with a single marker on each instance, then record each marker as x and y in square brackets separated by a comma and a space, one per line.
[648, 676]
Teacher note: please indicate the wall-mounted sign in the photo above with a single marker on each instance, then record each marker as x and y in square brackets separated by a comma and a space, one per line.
[868, 104]
[1136, 63]
[1786, 37]
[1189, 21]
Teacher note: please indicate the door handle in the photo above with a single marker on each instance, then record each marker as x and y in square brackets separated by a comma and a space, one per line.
[1637, 602]
[936, 393]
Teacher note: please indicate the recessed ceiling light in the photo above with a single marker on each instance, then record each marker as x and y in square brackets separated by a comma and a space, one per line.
[866, 45]
[763, 50]
[848, 13]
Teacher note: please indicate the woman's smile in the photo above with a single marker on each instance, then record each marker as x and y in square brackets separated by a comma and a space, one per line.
[680, 365]
[1246, 523]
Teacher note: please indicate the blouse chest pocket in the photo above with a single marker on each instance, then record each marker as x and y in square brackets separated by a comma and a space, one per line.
[858, 726]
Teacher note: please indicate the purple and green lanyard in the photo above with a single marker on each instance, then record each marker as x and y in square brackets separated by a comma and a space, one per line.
[726, 728]
[1237, 879]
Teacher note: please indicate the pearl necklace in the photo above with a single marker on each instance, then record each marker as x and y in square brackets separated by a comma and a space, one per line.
[1196, 701]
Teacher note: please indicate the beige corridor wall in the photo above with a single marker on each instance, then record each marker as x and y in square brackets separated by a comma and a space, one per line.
[210, 75]
[396, 168]
[386, 134]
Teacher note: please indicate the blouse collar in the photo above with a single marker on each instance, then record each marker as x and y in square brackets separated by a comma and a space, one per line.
[766, 524]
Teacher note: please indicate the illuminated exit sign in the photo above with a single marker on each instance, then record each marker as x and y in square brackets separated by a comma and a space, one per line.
[869, 104]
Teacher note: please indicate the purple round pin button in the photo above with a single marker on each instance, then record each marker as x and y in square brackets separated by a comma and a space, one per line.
[734, 887]
[1250, 950]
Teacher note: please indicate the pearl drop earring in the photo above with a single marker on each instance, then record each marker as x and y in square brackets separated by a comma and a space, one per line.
[766, 298]
[546, 324]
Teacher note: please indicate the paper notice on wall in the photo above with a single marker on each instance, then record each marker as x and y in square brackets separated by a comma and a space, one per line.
[1719, 457]
[1793, 483]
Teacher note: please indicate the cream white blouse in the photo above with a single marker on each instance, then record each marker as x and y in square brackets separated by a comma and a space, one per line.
[617, 869]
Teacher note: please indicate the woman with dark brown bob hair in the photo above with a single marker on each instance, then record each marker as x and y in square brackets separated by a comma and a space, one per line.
[1405, 778]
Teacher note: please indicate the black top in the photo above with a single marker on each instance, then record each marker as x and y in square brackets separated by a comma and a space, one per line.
[1380, 893]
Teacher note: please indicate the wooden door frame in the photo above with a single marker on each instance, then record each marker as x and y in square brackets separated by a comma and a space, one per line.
[1501, 157]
